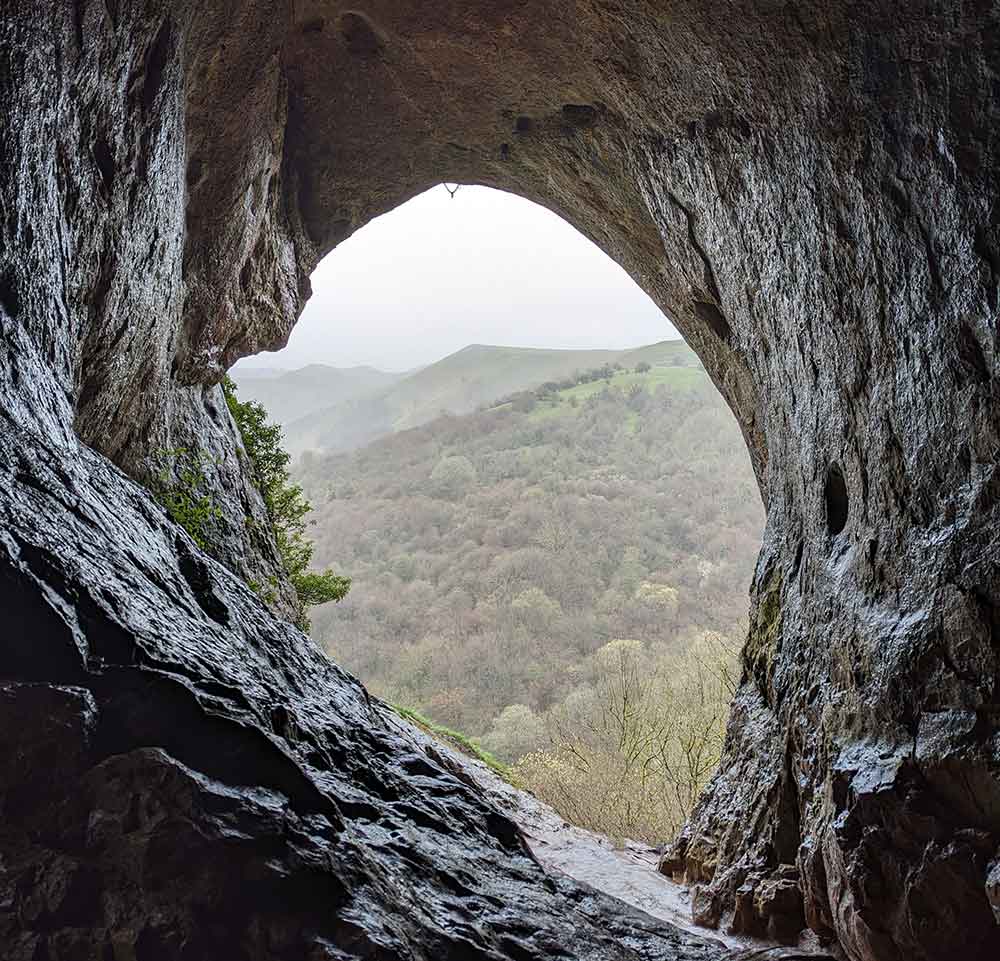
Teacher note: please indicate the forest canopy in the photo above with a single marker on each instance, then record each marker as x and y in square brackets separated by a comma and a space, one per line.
[521, 570]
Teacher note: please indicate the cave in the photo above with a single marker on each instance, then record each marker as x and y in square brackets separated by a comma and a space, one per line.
[809, 191]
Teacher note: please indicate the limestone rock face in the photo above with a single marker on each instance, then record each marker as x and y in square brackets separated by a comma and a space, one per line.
[810, 191]
[184, 777]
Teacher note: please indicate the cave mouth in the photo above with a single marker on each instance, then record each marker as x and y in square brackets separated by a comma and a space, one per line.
[822, 184]
[567, 495]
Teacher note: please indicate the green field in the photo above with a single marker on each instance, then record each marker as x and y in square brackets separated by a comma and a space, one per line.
[674, 378]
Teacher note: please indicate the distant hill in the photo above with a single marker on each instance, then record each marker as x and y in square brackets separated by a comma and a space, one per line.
[240, 371]
[290, 395]
[666, 353]
[471, 378]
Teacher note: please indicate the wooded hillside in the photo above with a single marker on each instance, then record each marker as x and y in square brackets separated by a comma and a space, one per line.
[493, 553]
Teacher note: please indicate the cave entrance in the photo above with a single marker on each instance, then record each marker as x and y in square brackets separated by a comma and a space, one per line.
[547, 509]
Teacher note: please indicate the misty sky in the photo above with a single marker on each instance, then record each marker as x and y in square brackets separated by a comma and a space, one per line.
[487, 267]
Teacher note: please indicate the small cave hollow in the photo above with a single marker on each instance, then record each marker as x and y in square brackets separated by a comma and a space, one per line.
[359, 36]
[836, 499]
[715, 319]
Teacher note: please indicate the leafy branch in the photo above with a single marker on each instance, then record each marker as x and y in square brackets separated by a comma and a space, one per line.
[286, 505]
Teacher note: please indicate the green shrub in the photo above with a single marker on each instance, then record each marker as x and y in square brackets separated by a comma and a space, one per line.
[319, 587]
[286, 506]
[180, 484]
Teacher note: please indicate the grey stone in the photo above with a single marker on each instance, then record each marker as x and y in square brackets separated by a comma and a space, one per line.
[810, 191]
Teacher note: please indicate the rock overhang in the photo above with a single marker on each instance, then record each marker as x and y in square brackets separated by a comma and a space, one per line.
[810, 194]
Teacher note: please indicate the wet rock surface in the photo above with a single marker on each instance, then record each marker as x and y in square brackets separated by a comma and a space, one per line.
[809, 190]
[625, 869]
[183, 776]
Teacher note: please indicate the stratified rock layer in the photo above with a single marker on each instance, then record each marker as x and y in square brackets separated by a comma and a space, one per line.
[810, 190]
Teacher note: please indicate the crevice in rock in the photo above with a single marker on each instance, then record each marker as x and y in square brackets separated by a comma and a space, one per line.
[985, 246]
[10, 301]
[933, 261]
[797, 561]
[787, 835]
[836, 500]
[79, 13]
[155, 65]
[971, 355]
[194, 174]
[105, 163]
[102, 288]
[710, 312]
[196, 573]
[715, 319]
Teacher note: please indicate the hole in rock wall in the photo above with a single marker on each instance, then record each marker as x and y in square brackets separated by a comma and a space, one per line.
[546, 508]
[10, 300]
[835, 496]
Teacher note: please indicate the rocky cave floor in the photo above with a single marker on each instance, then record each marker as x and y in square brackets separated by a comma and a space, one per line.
[627, 872]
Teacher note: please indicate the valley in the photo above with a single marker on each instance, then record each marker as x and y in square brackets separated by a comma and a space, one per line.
[521, 570]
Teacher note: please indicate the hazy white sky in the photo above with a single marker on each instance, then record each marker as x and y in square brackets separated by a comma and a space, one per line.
[484, 268]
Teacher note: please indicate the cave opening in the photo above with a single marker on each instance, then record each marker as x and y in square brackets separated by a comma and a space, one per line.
[547, 509]
[811, 192]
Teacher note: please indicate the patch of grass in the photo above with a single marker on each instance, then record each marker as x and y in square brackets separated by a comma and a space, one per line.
[454, 739]
[674, 378]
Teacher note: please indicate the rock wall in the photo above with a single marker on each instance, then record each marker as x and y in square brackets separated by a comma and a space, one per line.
[809, 190]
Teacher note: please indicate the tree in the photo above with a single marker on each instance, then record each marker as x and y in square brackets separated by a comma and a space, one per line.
[642, 367]
[536, 610]
[517, 731]
[452, 476]
[286, 506]
[661, 598]
[631, 752]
